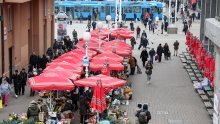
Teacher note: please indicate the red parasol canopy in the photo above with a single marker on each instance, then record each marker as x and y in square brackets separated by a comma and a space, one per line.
[121, 52]
[92, 44]
[64, 74]
[122, 32]
[118, 44]
[101, 32]
[74, 62]
[108, 55]
[111, 64]
[107, 82]
[50, 81]
[71, 68]
[98, 100]
[83, 51]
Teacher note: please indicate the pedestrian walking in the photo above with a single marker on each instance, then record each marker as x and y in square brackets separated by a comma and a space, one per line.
[74, 33]
[132, 26]
[144, 42]
[159, 52]
[166, 51]
[185, 28]
[162, 27]
[145, 22]
[190, 22]
[166, 26]
[133, 42]
[135, 17]
[133, 63]
[33, 60]
[3, 78]
[16, 79]
[89, 18]
[152, 54]
[23, 76]
[5, 90]
[176, 47]
[89, 26]
[148, 71]
[144, 56]
[144, 34]
[94, 25]
[193, 16]
[153, 26]
[138, 31]
[83, 108]
[75, 97]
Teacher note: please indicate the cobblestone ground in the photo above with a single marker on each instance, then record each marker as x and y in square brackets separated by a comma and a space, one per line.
[171, 97]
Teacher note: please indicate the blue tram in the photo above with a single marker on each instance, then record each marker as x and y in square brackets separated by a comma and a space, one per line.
[103, 8]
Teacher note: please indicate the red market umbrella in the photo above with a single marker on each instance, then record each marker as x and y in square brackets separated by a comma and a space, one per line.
[98, 100]
[108, 55]
[83, 51]
[50, 81]
[93, 44]
[96, 65]
[107, 81]
[124, 52]
[73, 62]
[65, 74]
[71, 68]
[118, 44]
[103, 32]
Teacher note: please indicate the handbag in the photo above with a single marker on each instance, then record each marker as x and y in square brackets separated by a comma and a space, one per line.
[0, 101]
[139, 70]
[156, 57]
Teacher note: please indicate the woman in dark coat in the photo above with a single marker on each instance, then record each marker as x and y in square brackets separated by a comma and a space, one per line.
[144, 56]
[166, 51]
[83, 109]
[159, 52]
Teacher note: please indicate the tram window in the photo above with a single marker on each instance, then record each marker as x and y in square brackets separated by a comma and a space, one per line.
[77, 9]
[87, 9]
[128, 10]
[102, 9]
[160, 10]
[137, 9]
[112, 9]
[155, 9]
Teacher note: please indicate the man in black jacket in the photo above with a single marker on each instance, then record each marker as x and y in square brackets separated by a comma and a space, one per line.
[23, 76]
[33, 60]
[17, 83]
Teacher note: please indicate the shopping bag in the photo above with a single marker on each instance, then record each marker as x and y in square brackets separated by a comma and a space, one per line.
[156, 57]
[0, 102]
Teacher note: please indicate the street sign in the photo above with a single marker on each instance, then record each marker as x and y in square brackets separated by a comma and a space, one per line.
[85, 61]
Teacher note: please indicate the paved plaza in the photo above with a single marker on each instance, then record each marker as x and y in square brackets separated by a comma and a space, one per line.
[171, 96]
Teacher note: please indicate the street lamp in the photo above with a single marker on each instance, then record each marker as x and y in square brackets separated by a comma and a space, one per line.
[108, 18]
[99, 25]
[86, 37]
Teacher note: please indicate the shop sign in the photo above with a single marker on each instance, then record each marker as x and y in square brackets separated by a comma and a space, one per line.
[85, 61]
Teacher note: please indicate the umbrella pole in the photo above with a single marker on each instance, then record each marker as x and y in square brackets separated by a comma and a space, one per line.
[50, 101]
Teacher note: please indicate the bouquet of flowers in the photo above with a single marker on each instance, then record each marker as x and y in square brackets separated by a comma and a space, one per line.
[16, 119]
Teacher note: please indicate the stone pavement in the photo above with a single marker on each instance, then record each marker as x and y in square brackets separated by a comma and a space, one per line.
[171, 97]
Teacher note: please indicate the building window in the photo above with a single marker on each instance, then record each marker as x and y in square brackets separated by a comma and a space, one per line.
[9, 19]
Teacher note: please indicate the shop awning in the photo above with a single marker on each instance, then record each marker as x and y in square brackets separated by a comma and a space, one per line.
[16, 1]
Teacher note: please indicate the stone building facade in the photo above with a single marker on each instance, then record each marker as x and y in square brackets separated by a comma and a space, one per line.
[26, 26]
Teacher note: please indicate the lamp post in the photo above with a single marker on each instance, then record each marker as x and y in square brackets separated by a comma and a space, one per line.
[116, 14]
[108, 18]
[86, 37]
[99, 25]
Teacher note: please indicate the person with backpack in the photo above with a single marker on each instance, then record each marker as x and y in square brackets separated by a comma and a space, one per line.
[144, 115]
